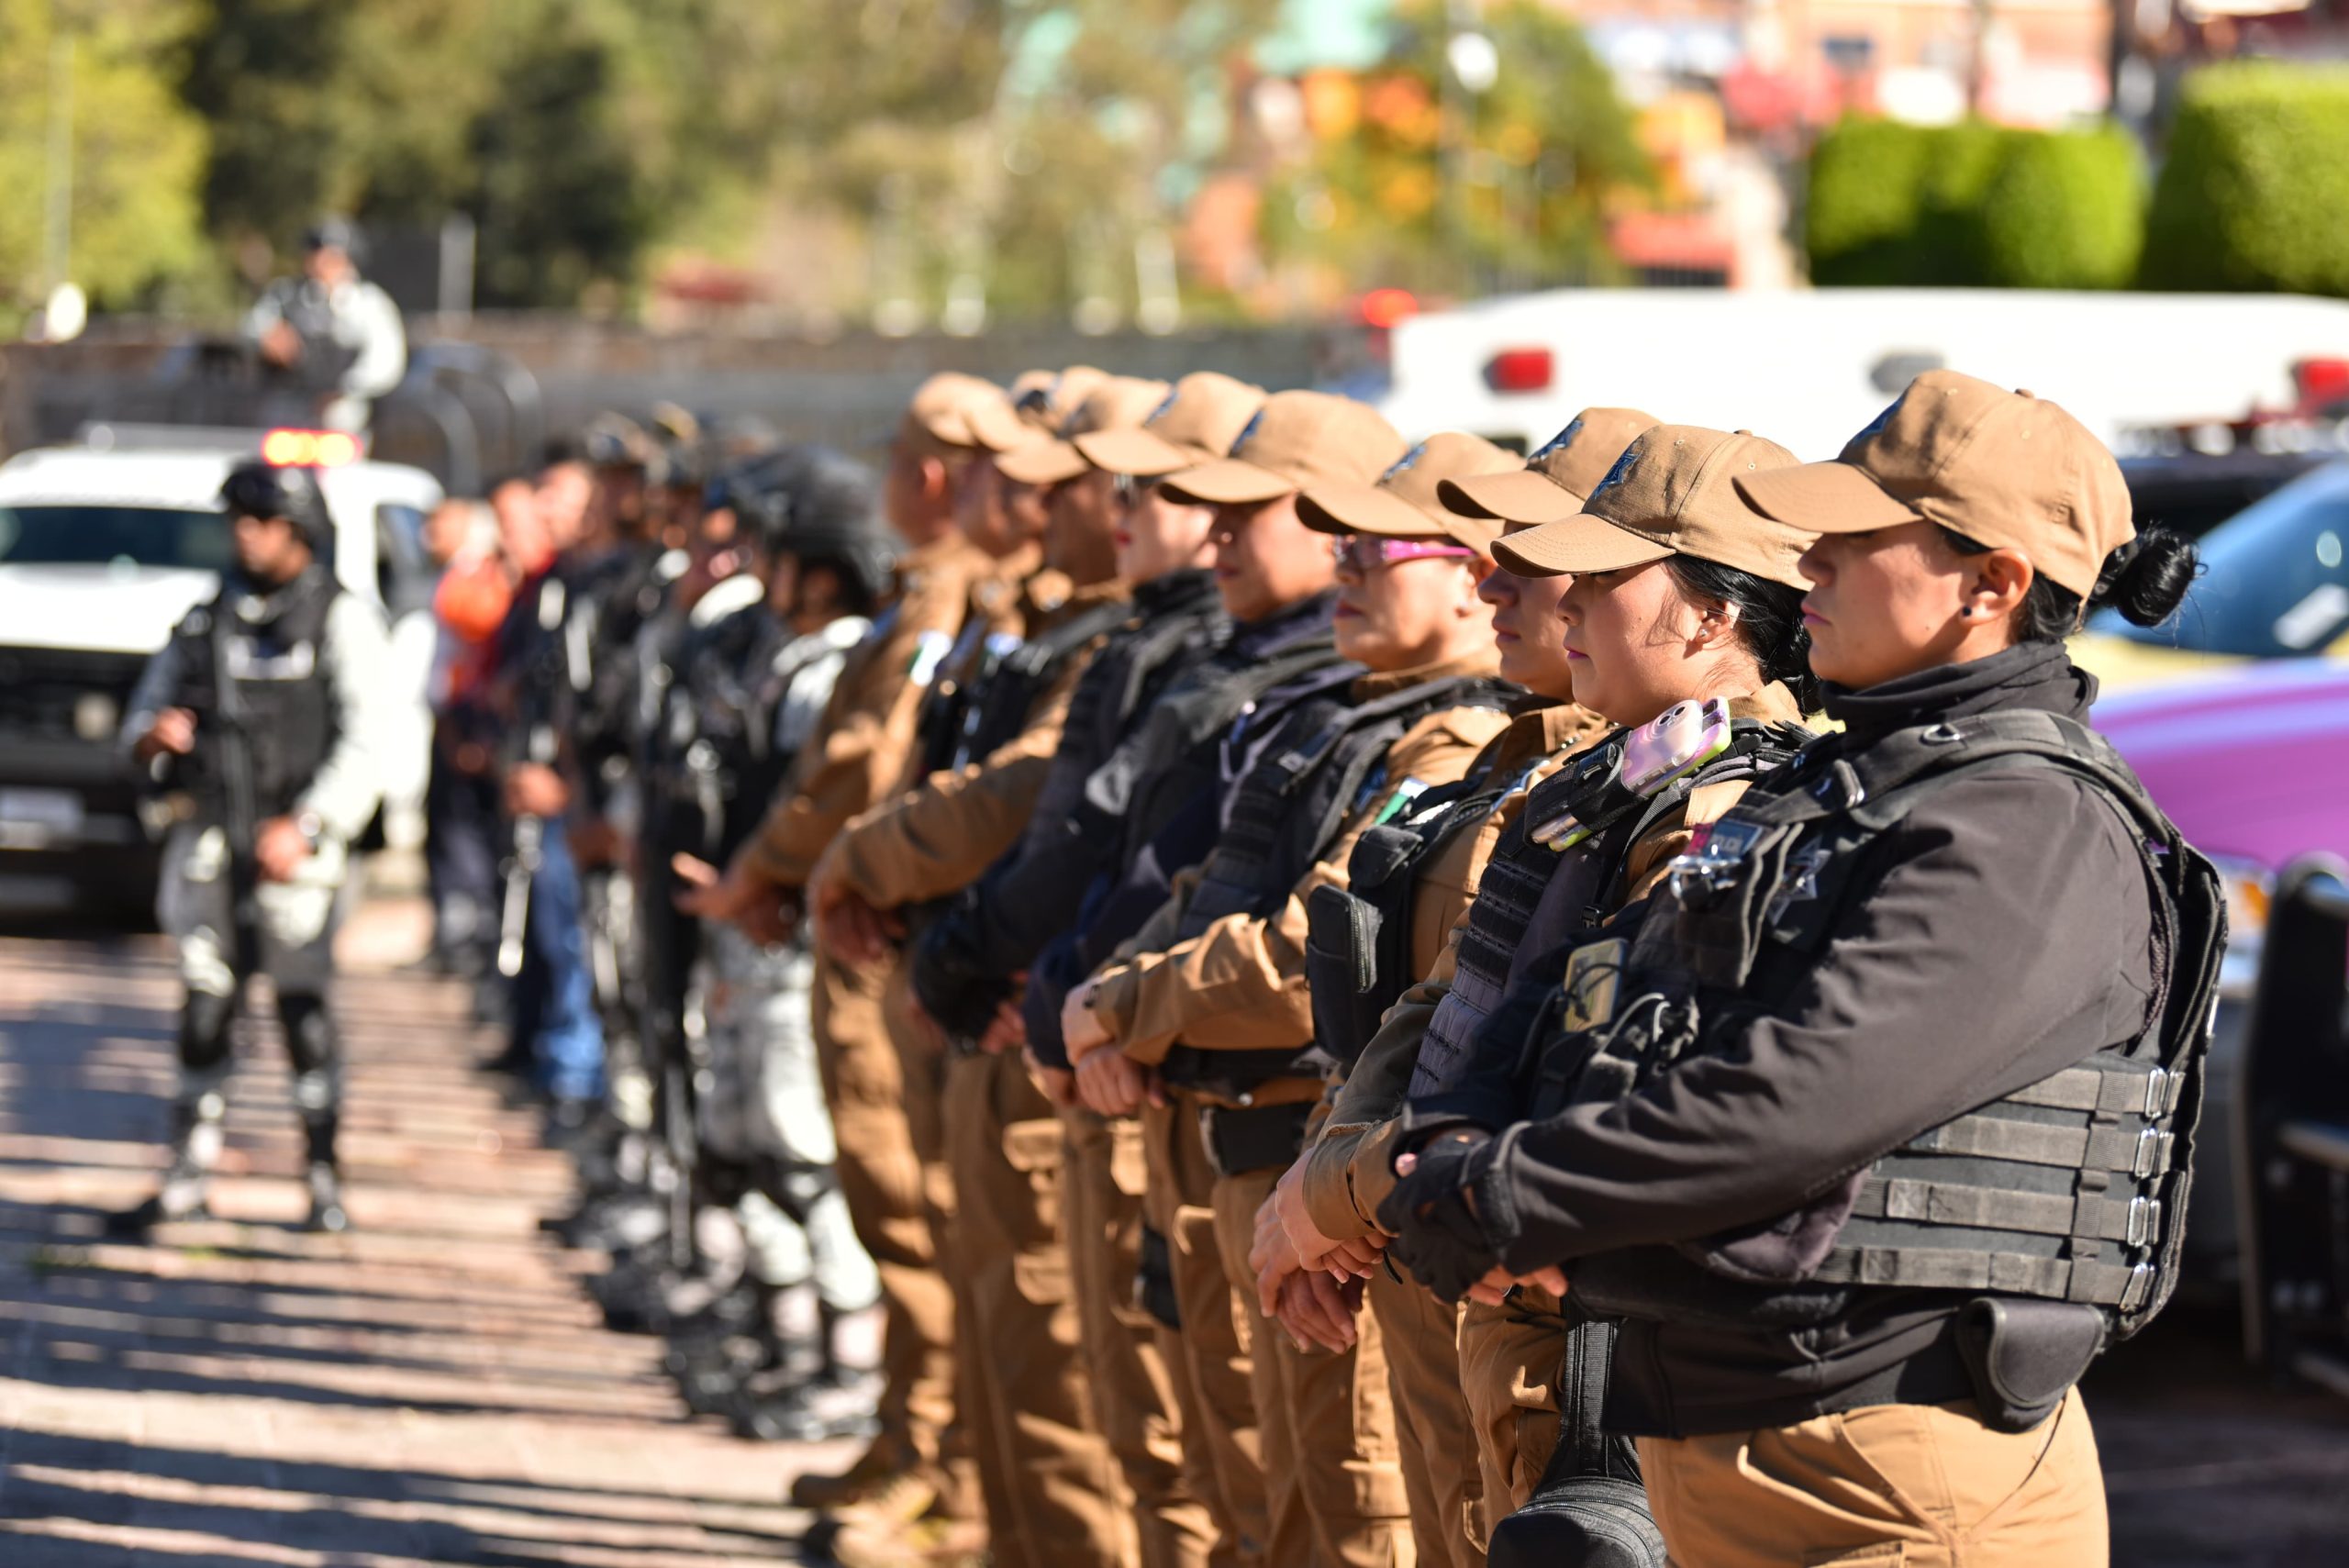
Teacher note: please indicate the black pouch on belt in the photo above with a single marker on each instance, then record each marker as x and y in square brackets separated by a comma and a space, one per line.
[2023, 1356]
[1154, 1280]
[1254, 1138]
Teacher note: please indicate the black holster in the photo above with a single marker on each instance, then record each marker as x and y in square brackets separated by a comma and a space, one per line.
[2023, 1356]
[1589, 1510]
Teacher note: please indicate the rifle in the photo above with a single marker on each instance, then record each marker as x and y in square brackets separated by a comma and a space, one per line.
[240, 810]
[522, 868]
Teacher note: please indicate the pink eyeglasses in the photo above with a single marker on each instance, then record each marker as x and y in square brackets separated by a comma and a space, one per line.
[1367, 552]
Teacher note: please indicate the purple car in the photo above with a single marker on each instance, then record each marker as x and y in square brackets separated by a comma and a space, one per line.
[2252, 765]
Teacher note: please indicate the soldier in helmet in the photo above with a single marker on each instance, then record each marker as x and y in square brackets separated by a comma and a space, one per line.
[264, 711]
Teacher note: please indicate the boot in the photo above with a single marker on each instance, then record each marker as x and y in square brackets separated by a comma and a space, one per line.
[196, 1145]
[326, 1215]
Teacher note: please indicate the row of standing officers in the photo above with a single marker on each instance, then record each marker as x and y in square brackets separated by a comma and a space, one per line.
[1361, 1023]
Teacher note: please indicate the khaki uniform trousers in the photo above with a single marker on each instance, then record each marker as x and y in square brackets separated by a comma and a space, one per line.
[1886, 1487]
[892, 1198]
[1333, 1465]
[1208, 1355]
[1440, 1479]
[1510, 1357]
[1054, 1497]
[1103, 1175]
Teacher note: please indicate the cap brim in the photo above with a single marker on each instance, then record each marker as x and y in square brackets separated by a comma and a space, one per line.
[1366, 509]
[1824, 498]
[1227, 481]
[1579, 543]
[1523, 496]
[1145, 454]
[997, 428]
[1047, 462]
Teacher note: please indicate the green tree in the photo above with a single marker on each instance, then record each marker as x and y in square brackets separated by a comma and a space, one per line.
[138, 154]
[1443, 189]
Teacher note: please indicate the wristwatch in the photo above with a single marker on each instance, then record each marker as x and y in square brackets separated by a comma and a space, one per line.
[311, 829]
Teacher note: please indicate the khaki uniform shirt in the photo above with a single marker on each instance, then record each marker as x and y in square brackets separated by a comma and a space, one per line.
[1239, 984]
[941, 836]
[1350, 1167]
[861, 747]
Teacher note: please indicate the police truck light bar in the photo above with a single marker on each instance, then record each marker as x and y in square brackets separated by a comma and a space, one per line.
[309, 449]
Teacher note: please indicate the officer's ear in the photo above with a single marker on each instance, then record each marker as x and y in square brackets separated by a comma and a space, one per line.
[937, 485]
[1993, 585]
[1716, 624]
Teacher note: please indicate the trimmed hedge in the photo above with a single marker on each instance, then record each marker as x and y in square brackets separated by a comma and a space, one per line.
[1972, 204]
[2255, 192]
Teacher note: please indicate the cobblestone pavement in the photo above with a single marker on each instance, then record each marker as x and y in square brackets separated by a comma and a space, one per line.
[431, 1388]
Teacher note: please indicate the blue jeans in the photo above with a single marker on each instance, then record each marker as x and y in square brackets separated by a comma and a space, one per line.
[554, 996]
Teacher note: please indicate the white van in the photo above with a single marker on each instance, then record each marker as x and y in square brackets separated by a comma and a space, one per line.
[1808, 368]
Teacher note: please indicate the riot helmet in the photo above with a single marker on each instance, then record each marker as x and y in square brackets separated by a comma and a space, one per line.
[822, 507]
[258, 489]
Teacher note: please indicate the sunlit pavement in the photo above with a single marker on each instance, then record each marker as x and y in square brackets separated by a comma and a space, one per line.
[431, 1388]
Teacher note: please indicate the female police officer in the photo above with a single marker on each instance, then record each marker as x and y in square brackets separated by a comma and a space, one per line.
[1679, 593]
[1880, 1129]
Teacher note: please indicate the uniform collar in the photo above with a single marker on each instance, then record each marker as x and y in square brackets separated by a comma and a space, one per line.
[2029, 676]
[1774, 703]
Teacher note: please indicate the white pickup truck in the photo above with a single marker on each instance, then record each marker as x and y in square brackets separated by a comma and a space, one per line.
[104, 546]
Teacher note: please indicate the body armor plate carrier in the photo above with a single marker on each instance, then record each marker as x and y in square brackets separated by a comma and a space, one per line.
[2072, 1189]
[1325, 766]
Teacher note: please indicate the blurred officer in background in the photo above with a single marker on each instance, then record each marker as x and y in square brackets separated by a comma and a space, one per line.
[861, 749]
[332, 328]
[267, 707]
[1878, 1128]
[1052, 1493]
[968, 964]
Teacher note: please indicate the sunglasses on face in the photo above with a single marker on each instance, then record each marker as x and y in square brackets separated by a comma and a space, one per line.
[1367, 552]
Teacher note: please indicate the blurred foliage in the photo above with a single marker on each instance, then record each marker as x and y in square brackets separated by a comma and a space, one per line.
[138, 154]
[1973, 206]
[2066, 212]
[1508, 189]
[2255, 184]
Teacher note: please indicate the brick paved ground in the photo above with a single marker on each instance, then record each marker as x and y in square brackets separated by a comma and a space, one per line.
[431, 1388]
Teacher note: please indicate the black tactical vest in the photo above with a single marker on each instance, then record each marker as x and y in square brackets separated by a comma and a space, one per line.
[949, 707]
[1358, 938]
[997, 711]
[1526, 878]
[276, 654]
[1326, 763]
[2072, 1189]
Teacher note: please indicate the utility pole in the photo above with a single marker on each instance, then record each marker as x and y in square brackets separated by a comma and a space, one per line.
[57, 219]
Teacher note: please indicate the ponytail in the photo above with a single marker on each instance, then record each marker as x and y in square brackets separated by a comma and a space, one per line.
[1769, 621]
[2144, 580]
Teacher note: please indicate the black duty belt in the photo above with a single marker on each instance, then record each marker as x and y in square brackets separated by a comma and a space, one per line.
[1256, 1138]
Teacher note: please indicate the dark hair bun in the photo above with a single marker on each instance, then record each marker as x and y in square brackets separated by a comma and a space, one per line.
[2146, 580]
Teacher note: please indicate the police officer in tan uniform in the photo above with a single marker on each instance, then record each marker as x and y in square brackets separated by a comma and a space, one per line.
[971, 962]
[860, 752]
[1052, 1492]
[1210, 997]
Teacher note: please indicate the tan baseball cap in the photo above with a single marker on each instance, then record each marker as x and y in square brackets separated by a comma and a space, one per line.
[1296, 438]
[1118, 403]
[1403, 503]
[936, 415]
[1560, 475]
[2006, 469]
[1671, 492]
[1197, 423]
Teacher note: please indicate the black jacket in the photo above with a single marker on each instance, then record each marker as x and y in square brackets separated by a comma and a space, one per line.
[1999, 927]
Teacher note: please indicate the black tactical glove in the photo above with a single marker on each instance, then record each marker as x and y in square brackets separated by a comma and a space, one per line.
[1437, 1236]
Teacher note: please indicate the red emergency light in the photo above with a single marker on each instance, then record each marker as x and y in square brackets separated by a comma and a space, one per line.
[1520, 371]
[309, 449]
[1387, 306]
[2321, 384]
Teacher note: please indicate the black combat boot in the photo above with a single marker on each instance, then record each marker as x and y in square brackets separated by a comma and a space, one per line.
[196, 1145]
